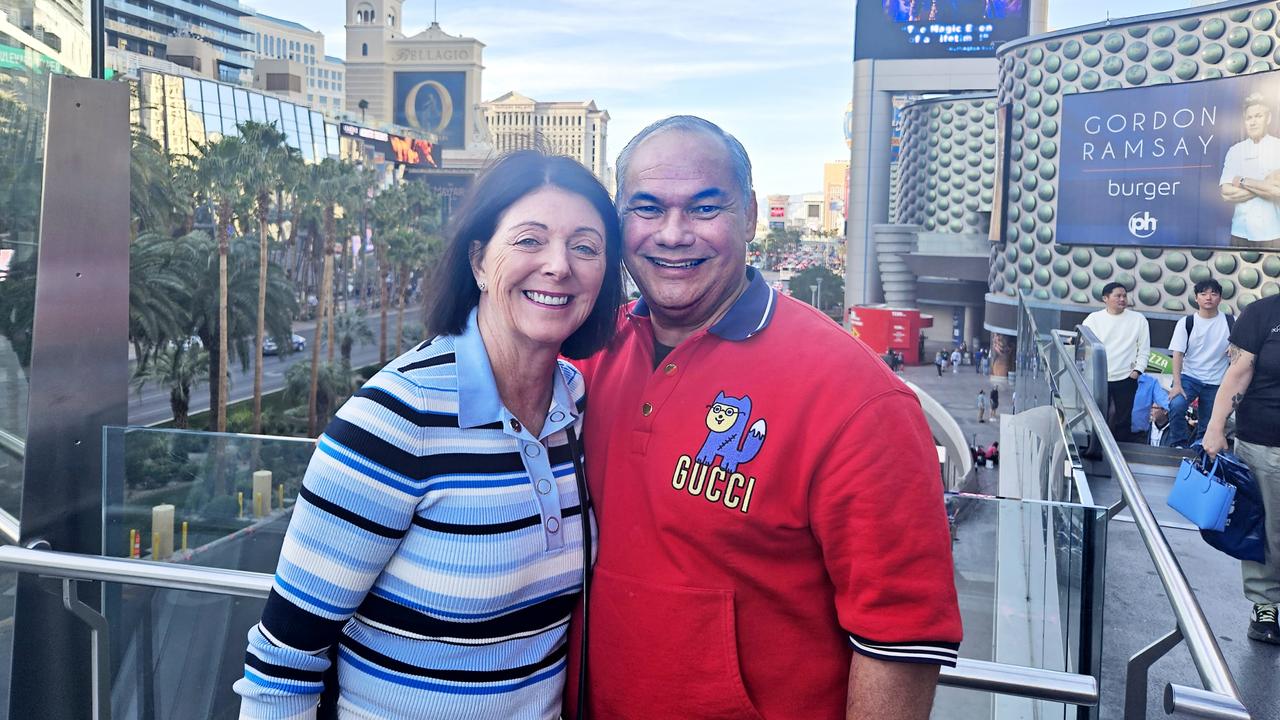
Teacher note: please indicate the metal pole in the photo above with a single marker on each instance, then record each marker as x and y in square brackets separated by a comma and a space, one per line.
[1205, 653]
[98, 39]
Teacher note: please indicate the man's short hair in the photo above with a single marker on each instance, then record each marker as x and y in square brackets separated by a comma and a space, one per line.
[1209, 284]
[1255, 99]
[690, 123]
[1111, 287]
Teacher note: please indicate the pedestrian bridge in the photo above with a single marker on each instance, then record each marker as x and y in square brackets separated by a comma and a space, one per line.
[1083, 595]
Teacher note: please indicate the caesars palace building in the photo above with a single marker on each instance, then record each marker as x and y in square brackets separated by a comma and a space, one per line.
[1063, 161]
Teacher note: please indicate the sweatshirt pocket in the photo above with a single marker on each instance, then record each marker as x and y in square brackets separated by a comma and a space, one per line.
[664, 651]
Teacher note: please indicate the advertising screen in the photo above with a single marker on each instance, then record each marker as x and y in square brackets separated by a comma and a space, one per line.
[434, 101]
[410, 152]
[900, 29]
[1187, 165]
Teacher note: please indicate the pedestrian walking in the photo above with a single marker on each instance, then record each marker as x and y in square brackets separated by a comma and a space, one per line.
[982, 406]
[956, 357]
[978, 357]
[995, 402]
[940, 361]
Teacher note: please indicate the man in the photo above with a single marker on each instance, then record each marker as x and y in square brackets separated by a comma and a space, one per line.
[761, 554]
[1248, 180]
[956, 358]
[1159, 434]
[1127, 339]
[1199, 348]
[1251, 389]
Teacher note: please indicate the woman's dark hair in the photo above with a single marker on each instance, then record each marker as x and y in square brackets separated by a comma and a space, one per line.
[453, 292]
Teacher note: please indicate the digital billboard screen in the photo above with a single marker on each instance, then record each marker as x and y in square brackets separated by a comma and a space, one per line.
[410, 152]
[1187, 165]
[904, 29]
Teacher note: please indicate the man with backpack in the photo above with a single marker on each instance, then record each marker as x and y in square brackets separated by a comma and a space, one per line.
[1199, 348]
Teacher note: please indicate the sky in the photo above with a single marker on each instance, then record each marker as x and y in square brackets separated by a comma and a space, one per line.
[777, 75]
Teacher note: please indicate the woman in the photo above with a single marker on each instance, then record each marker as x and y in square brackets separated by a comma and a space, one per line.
[995, 401]
[436, 546]
[982, 406]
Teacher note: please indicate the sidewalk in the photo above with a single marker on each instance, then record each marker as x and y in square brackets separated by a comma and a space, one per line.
[958, 393]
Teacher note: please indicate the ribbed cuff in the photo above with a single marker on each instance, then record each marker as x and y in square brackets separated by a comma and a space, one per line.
[929, 652]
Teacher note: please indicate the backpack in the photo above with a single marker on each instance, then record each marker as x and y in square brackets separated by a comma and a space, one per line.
[1191, 321]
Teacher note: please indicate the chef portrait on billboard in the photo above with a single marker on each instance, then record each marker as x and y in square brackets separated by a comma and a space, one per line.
[1251, 178]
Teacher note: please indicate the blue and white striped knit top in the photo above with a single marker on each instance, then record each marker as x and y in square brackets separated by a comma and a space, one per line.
[437, 542]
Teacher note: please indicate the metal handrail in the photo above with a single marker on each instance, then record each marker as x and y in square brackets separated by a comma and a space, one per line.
[170, 576]
[991, 677]
[1224, 701]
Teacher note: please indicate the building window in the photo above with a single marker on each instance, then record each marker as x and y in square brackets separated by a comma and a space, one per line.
[364, 48]
[391, 20]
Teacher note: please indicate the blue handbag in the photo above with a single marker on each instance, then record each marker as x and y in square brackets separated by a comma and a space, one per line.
[1245, 536]
[1202, 497]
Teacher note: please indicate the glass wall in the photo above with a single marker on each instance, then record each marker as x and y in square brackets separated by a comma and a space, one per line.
[58, 45]
[180, 110]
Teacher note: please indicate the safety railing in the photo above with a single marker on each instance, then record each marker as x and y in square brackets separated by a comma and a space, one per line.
[1220, 697]
[978, 675]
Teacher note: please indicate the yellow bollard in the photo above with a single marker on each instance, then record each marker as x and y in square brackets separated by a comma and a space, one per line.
[162, 525]
[257, 505]
[155, 546]
[133, 537]
[280, 496]
[262, 486]
[184, 535]
[240, 497]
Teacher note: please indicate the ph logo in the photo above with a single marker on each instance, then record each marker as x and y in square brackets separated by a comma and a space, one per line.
[1142, 225]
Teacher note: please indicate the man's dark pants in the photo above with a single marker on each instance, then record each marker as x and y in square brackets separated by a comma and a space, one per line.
[1120, 395]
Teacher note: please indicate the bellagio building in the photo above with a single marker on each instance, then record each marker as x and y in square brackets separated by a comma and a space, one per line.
[575, 129]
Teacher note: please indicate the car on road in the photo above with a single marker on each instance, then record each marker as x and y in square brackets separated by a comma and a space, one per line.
[270, 347]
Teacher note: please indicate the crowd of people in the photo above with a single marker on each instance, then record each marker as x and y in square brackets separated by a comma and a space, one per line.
[1222, 365]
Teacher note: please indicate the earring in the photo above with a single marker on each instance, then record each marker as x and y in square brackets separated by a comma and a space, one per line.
[481, 285]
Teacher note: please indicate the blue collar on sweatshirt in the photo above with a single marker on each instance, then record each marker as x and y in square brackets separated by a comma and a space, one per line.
[750, 314]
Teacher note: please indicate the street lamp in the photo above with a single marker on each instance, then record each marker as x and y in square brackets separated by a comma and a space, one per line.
[819, 294]
[814, 290]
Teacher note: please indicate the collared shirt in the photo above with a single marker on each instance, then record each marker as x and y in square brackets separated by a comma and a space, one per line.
[1256, 219]
[437, 541]
[757, 524]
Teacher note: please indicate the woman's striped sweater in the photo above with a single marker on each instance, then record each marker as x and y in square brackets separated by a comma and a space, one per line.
[437, 542]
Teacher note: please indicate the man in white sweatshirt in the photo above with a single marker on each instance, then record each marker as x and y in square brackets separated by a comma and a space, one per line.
[1127, 338]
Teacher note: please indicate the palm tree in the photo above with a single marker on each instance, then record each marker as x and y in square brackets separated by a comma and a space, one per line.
[350, 328]
[408, 250]
[262, 158]
[325, 388]
[388, 214]
[179, 366]
[160, 271]
[155, 200]
[332, 185]
[217, 170]
[241, 303]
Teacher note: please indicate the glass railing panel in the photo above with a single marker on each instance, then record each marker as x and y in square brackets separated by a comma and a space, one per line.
[1035, 601]
[233, 493]
[175, 654]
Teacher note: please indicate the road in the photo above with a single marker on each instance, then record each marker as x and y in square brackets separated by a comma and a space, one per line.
[151, 405]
